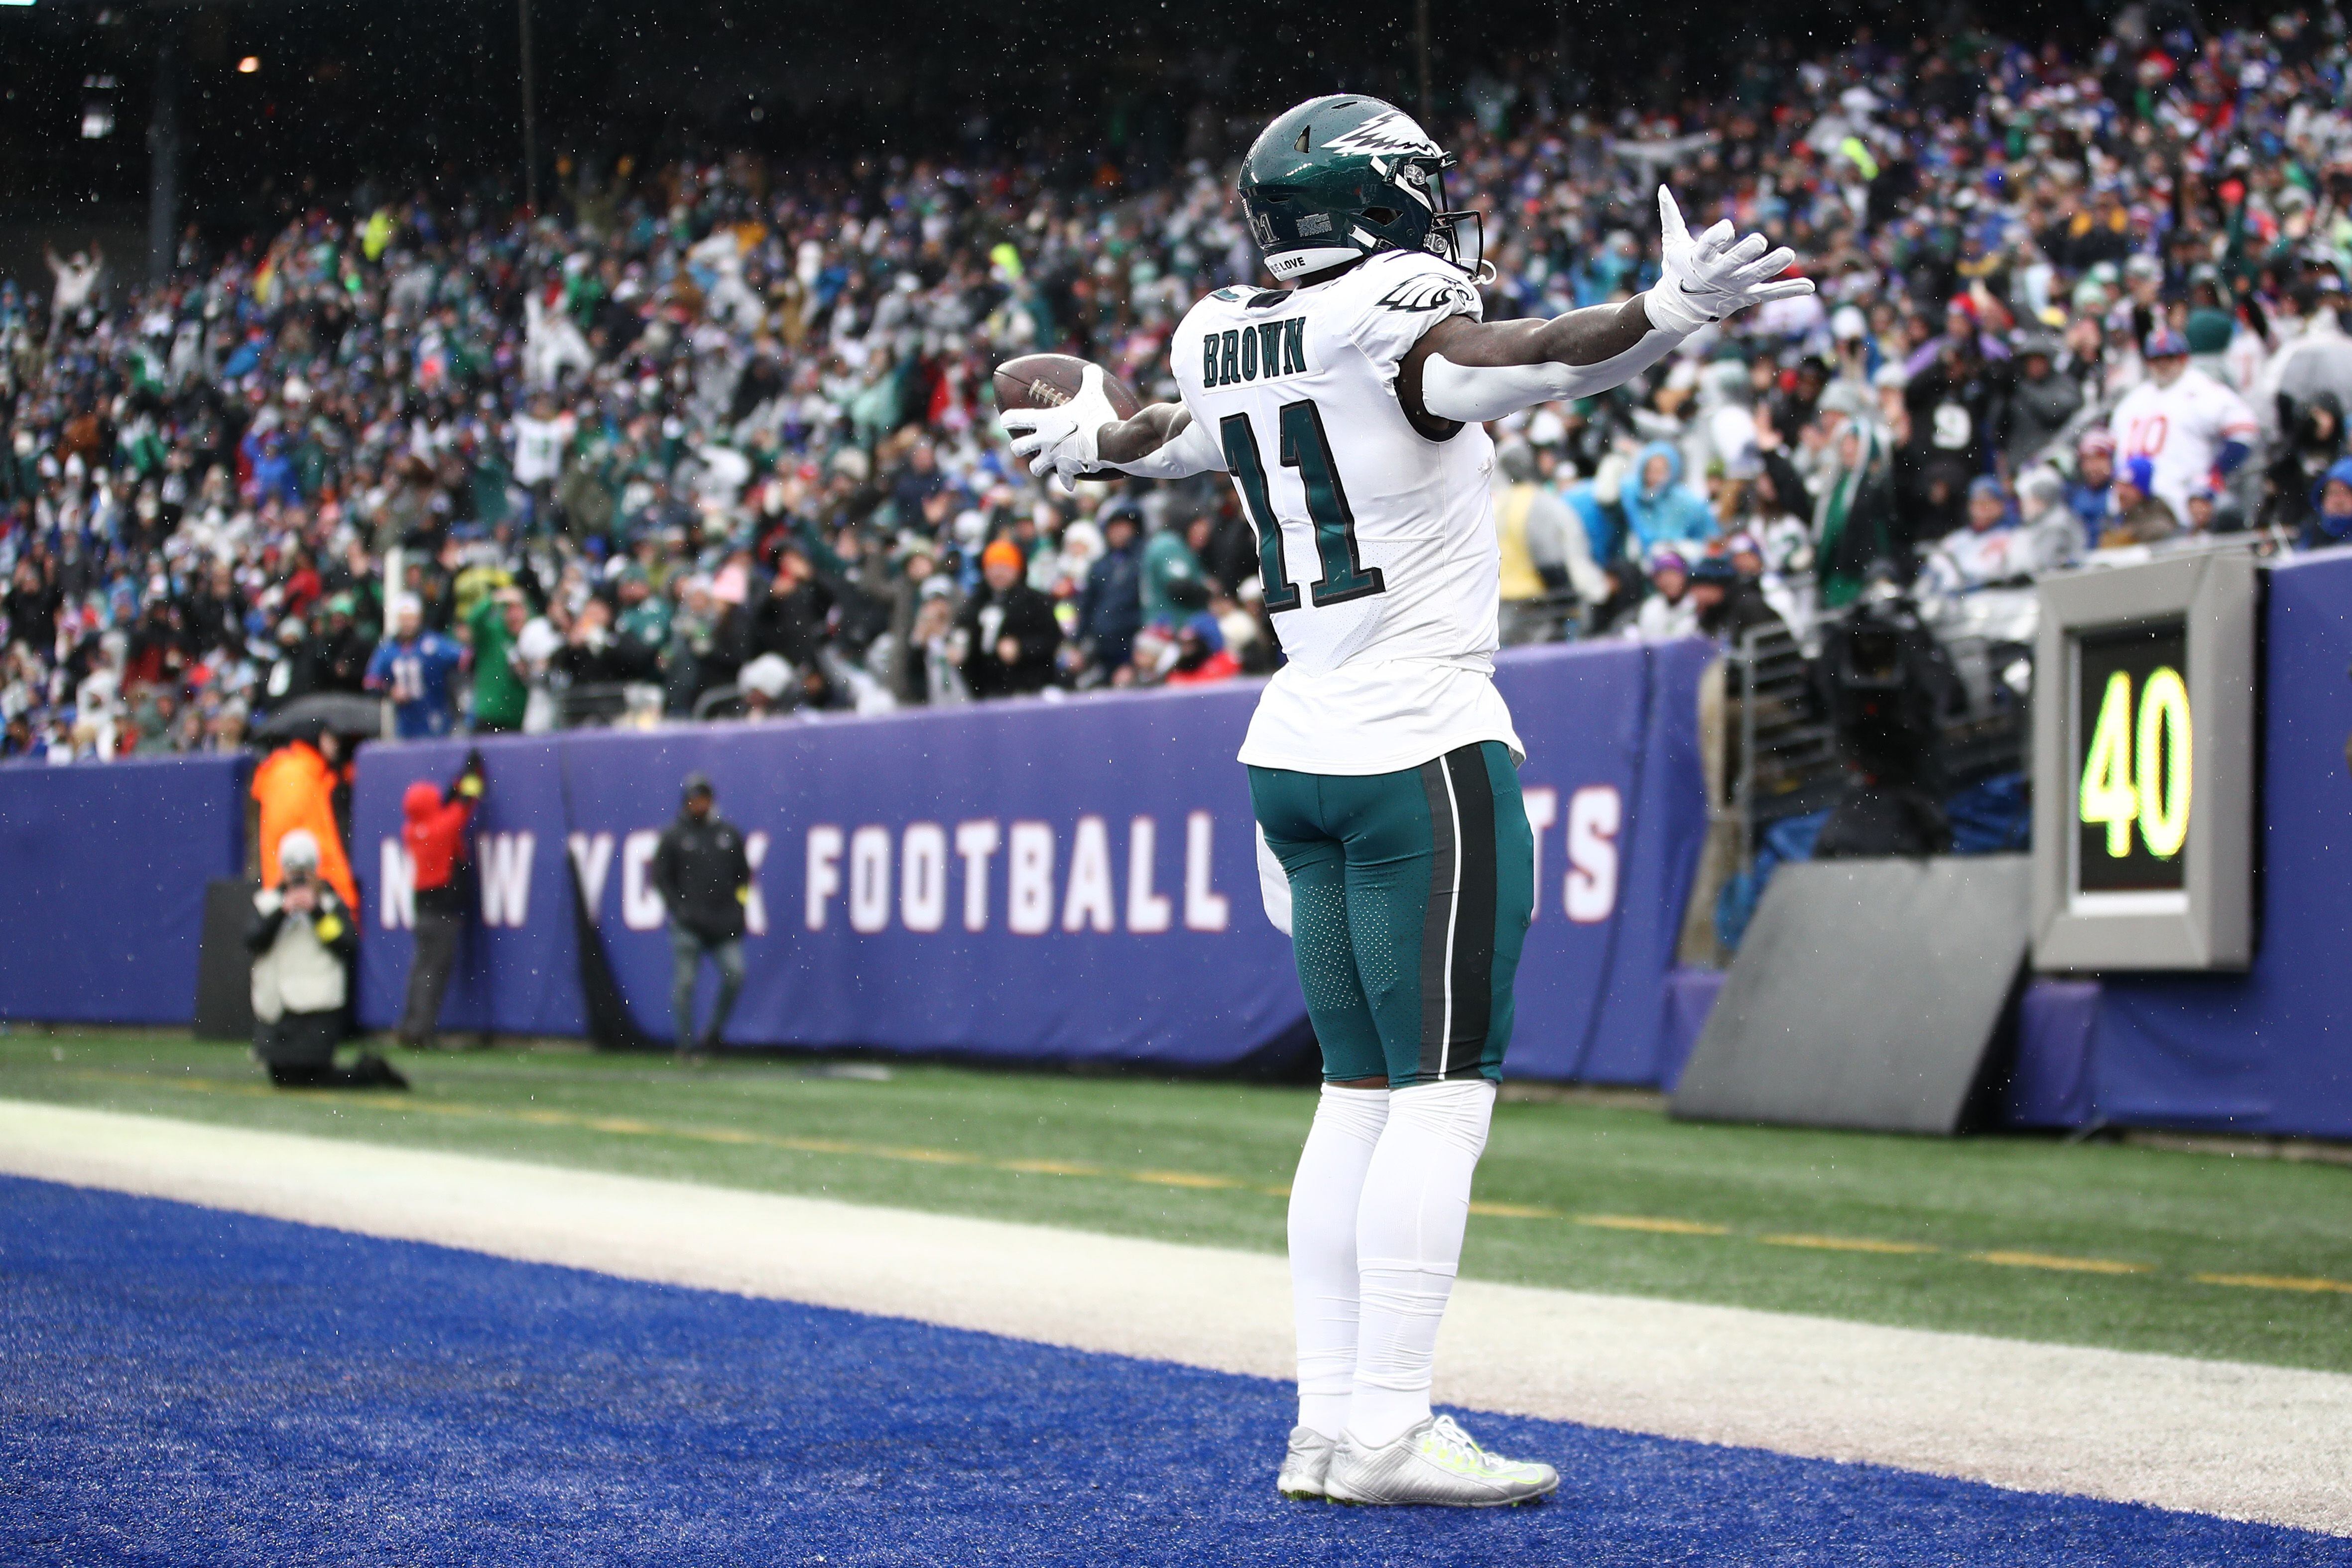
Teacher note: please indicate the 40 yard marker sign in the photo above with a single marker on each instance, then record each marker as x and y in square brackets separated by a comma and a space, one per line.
[2138, 771]
[2145, 725]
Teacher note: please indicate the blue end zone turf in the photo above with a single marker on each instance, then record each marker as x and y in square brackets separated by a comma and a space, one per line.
[184, 1386]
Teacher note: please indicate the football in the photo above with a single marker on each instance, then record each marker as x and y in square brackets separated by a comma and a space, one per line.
[1048, 381]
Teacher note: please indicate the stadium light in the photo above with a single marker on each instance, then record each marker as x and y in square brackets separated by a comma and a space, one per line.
[247, 66]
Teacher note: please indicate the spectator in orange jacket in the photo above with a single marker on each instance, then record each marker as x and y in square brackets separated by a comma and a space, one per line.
[295, 788]
[435, 833]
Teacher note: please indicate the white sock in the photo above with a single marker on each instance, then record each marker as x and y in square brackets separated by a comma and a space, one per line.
[1409, 1227]
[1323, 1204]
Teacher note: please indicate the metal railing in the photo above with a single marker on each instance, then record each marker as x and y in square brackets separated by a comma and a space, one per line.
[1787, 763]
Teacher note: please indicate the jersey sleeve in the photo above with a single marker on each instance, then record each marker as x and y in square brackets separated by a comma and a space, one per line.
[1403, 295]
[2233, 418]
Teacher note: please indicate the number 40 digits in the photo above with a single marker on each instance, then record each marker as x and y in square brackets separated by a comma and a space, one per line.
[2139, 771]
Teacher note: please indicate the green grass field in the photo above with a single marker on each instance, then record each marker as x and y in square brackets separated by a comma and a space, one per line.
[2120, 1246]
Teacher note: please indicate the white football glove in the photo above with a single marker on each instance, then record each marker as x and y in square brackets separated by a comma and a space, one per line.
[1707, 279]
[1063, 440]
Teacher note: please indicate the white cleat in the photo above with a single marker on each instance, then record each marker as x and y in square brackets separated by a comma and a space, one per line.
[1303, 1466]
[1435, 1464]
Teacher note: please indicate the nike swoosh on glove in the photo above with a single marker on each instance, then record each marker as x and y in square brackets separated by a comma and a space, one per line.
[1706, 278]
[1063, 441]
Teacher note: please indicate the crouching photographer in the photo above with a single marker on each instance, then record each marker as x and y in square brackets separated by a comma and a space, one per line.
[302, 937]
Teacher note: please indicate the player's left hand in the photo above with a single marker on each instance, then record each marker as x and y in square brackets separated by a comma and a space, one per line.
[1063, 440]
[1707, 278]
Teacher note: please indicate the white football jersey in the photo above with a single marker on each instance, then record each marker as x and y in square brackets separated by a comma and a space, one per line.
[1376, 545]
[2180, 430]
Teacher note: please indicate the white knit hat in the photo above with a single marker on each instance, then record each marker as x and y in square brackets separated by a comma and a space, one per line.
[299, 847]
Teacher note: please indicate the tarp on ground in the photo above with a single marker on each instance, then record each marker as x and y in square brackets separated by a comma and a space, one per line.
[1067, 881]
[102, 903]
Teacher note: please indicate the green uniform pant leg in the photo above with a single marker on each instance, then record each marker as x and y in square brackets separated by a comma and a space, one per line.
[1440, 887]
[1515, 900]
[1382, 819]
[1286, 807]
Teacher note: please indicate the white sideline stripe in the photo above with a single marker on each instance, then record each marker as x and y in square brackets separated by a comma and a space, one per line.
[2263, 1443]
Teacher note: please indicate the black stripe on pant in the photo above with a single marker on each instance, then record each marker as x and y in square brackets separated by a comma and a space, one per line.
[1457, 934]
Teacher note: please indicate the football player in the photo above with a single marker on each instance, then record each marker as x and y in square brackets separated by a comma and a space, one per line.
[1347, 406]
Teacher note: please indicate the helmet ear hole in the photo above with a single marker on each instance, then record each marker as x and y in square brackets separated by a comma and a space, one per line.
[1302, 139]
[1382, 215]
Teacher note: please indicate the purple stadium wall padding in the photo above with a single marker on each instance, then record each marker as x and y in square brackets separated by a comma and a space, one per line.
[1066, 880]
[104, 868]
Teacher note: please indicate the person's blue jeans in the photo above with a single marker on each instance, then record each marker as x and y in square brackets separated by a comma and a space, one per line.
[686, 949]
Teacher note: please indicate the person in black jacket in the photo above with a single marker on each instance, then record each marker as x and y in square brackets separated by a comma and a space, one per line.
[2312, 433]
[1008, 632]
[1111, 605]
[2041, 401]
[704, 875]
[1729, 605]
[790, 618]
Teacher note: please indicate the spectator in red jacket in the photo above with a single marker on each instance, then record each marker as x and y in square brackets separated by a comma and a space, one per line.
[1201, 656]
[434, 835]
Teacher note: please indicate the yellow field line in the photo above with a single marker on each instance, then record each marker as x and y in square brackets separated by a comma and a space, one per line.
[921, 1155]
[1850, 1244]
[1051, 1168]
[2067, 1265]
[622, 1124]
[2277, 1283]
[1655, 1224]
[1658, 1227]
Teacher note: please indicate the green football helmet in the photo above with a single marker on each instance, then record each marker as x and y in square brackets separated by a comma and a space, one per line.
[1338, 178]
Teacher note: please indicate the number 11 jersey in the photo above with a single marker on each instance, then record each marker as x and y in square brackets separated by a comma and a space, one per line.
[1376, 545]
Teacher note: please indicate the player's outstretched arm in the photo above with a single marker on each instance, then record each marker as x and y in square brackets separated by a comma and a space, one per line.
[1465, 370]
[1161, 442]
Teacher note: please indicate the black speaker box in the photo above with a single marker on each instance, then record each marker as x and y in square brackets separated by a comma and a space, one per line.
[223, 969]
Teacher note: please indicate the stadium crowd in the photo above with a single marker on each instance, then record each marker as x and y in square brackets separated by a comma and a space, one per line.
[716, 439]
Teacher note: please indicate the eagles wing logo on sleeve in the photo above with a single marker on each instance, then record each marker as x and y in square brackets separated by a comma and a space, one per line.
[1428, 293]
